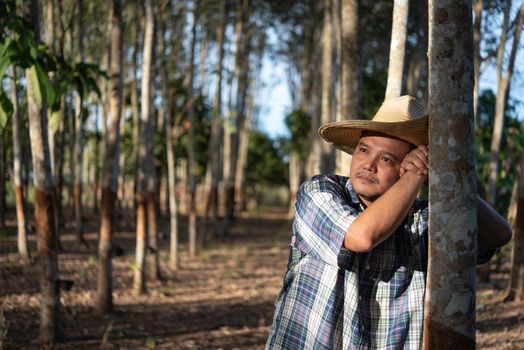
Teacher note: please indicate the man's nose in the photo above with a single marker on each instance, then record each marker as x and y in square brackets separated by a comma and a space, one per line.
[371, 164]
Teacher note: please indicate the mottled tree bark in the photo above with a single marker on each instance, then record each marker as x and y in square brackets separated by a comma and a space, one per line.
[449, 311]
[397, 51]
[104, 303]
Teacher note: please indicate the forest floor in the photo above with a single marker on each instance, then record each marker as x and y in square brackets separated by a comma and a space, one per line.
[223, 299]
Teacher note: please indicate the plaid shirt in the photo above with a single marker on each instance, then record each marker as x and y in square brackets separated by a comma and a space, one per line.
[334, 298]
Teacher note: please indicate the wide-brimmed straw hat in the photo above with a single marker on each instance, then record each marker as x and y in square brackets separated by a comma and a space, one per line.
[401, 117]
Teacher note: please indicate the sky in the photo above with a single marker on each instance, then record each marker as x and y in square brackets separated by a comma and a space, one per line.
[274, 100]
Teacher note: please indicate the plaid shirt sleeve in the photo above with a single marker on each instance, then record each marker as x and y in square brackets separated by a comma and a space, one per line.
[323, 215]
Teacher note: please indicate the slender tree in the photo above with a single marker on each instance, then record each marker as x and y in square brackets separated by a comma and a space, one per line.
[515, 290]
[213, 169]
[168, 97]
[327, 160]
[503, 87]
[449, 312]
[351, 81]
[21, 223]
[139, 285]
[111, 165]
[191, 141]
[477, 58]
[397, 50]
[50, 328]
[79, 140]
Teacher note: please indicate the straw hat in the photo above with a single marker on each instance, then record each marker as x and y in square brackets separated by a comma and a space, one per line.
[401, 117]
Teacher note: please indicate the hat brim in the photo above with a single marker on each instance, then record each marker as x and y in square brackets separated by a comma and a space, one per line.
[346, 134]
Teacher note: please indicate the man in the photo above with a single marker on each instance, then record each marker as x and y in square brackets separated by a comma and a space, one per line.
[358, 257]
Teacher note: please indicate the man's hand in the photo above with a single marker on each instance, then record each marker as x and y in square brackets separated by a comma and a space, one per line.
[416, 161]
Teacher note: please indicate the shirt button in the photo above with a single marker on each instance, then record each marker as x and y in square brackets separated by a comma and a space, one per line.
[367, 267]
[360, 297]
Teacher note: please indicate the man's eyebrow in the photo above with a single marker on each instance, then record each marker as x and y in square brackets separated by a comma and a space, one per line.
[392, 156]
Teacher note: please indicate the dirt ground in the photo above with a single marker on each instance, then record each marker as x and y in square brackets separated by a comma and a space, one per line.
[223, 299]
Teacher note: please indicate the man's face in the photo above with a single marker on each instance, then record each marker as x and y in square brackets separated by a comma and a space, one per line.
[375, 164]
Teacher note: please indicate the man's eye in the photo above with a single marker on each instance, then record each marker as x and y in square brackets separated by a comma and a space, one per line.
[386, 159]
[362, 150]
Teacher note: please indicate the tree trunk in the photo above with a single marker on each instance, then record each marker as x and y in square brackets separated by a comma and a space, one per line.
[397, 49]
[79, 147]
[21, 223]
[145, 158]
[503, 89]
[243, 38]
[170, 154]
[449, 310]
[327, 155]
[191, 145]
[111, 165]
[351, 101]
[213, 169]
[417, 76]
[135, 107]
[477, 35]
[515, 289]
[50, 328]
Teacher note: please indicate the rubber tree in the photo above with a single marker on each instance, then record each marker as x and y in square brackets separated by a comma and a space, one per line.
[44, 191]
[111, 165]
[515, 290]
[327, 154]
[139, 285]
[213, 169]
[397, 49]
[449, 310]
[351, 82]
[21, 222]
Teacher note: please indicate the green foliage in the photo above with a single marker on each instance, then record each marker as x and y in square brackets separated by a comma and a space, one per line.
[19, 48]
[265, 164]
[299, 125]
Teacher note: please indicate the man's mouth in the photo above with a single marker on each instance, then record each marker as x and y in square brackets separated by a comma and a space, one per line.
[366, 178]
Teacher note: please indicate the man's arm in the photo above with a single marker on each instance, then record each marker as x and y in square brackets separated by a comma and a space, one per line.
[382, 217]
[493, 230]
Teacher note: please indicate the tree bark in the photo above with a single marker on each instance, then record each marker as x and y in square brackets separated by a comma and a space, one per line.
[50, 328]
[477, 35]
[327, 153]
[23, 249]
[145, 158]
[191, 144]
[213, 169]
[397, 51]
[503, 87]
[449, 310]
[79, 148]
[111, 165]
[515, 290]
[351, 101]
